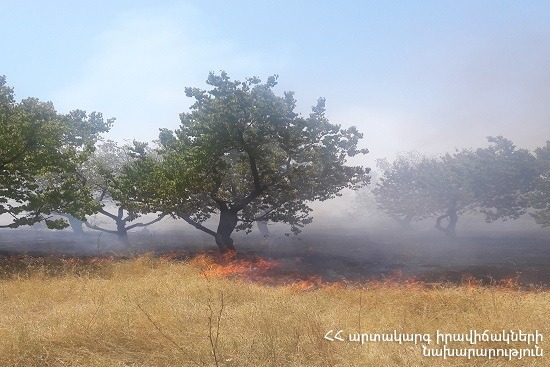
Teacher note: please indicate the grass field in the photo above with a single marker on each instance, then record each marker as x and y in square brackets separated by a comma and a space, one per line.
[150, 311]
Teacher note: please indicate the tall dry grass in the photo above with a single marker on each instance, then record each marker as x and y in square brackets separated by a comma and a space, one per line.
[153, 312]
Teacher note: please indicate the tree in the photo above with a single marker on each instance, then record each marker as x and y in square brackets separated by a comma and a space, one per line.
[500, 177]
[416, 187]
[539, 198]
[494, 181]
[36, 142]
[101, 174]
[243, 153]
[393, 192]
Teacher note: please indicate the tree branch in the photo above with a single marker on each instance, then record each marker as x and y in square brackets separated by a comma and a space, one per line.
[107, 214]
[254, 171]
[247, 200]
[253, 166]
[17, 155]
[103, 193]
[100, 228]
[222, 205]
[146, 224]
[197, 225]
[438, 222]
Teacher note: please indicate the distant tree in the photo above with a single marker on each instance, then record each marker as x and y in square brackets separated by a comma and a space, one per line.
[243, 153]
[35, 142]
[365, 203]
[540, 195]
[495, 181]
[102, 174]
[393, 192]
[415, 187]
[500, 177]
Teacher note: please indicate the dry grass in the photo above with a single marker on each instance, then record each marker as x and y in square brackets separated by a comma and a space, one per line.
[154, 312]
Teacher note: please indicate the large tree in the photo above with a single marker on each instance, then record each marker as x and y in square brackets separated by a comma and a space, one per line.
[243, 153]
[38, 142]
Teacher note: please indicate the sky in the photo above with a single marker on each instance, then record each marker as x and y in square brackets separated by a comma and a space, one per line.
[429, 76]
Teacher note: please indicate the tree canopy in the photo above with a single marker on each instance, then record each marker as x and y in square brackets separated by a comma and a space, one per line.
[501, 178]
[244, 153]
[40, 151]
[102, 174]
[540, 195]
[415, 187]
[496, 181]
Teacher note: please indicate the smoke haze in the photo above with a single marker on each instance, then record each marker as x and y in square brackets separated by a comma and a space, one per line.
[427, 76]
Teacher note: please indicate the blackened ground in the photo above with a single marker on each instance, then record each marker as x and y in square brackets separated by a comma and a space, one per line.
[331, 255]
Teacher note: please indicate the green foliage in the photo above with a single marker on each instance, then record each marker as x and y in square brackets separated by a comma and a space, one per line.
[103, 174]
[540, 196]
[416, 187]
[103, 166]
[499, 181]
[242, 149]
[138, 182]
[40, 151]
[501, 178]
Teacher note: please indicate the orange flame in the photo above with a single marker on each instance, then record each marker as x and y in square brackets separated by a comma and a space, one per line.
[271, 272]
[293, 274]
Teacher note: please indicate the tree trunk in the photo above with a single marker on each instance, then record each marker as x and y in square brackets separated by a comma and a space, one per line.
[122, 233]
[453, 220]
[405, 222]
[76, 225]
[228, 222]
[262, 227]
[450, 230]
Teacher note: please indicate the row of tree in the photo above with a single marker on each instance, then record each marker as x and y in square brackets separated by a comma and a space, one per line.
[241, 152]
[499, 181]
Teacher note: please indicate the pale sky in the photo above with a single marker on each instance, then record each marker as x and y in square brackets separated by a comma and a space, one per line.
[411, 75]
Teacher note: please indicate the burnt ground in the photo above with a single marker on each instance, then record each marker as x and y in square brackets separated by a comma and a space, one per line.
[331, 255]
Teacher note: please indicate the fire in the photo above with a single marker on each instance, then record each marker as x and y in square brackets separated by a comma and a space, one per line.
[231, 265]
[471, 283]
[101, 260]
[297, 277]
[256, 269]
[312, 282]
[294, 273]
